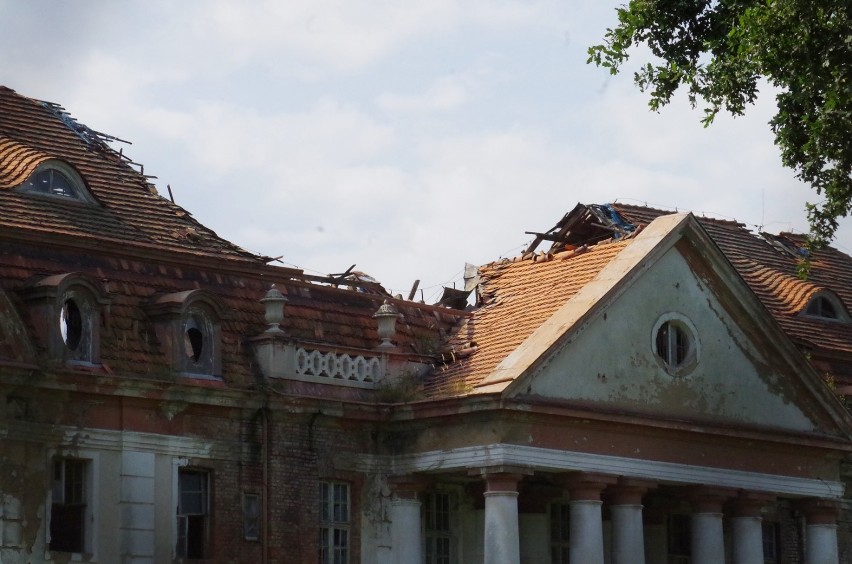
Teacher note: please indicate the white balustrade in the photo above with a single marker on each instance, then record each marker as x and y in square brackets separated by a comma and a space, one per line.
[335, 366]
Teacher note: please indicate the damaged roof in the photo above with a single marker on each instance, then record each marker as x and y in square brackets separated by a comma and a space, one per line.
[128, 212]
[516, 297]
[519, 295]
[768, 263]
[136, 246]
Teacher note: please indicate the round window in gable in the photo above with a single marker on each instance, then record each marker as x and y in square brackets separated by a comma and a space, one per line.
[193, 338]
[675, 344]
[71, 324]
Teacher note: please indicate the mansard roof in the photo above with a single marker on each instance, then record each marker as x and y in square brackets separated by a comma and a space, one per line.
[140, 249]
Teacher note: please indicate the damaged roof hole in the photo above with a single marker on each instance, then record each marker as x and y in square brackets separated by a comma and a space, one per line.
[71, 324]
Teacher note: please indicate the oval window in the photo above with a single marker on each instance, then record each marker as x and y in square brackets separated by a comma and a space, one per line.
[675, 343]
[193, 339]
[71, 324]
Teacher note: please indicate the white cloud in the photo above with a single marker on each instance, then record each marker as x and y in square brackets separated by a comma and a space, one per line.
[407, 137]
[445, 93]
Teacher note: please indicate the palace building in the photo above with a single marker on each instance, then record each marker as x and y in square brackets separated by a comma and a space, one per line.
[645, 388]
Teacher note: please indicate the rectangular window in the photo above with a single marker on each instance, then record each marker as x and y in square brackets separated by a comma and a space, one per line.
[770, 542]
[193, 513]
[679, 533]
[438, 528]
[334, 523]
[68, 506]
[560, 532]
[251, 516]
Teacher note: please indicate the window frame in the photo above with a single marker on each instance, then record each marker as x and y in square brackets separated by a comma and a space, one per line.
[182, 518]
[81, 192]
[443, 532]
[334, 541]
[678, 550]
[814, 308]
[770, 533]
[679, 338]
[559, 531]
[91, 465]
[174, 316]
[252, 521]
[47, 300]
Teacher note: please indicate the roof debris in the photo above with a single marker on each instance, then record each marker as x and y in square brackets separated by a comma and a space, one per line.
[583, 225]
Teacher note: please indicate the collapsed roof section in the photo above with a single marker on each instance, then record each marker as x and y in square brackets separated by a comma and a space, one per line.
[528, 289]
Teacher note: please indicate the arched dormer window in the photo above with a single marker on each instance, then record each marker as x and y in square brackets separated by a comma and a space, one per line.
[188, 326]
[59, 179]
[66, 310]
[826, 305]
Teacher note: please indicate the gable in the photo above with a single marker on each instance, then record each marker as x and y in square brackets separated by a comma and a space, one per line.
[614, 362]
[601, 350]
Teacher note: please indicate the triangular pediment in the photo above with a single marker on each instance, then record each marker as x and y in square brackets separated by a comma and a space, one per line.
[669, 330]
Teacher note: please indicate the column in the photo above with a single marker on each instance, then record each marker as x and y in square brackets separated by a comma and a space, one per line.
[821, 536]
[708, 541]
[747, 527]
[586, 524]
[136, 502]
[628, 535]
[406, 526]
[502, 543]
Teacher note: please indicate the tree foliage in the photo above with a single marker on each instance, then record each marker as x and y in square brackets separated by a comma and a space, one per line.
[719, 50]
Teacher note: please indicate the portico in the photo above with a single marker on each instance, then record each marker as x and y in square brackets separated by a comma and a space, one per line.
[606, 514]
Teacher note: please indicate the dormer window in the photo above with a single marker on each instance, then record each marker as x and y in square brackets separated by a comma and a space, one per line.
[187, 325]
[66, 309]
[826, 305]
[57, 178]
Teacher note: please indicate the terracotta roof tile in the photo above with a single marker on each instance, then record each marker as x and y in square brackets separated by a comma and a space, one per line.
[768, 264]
[137, 245]
[127, 213]
[518, 296]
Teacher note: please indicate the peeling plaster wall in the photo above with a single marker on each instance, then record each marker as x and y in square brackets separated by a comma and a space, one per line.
[129, 492]
[612, 361]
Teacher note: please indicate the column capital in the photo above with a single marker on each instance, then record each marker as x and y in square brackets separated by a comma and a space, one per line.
[709, 500]
[628, 491]
[502, 478]
[408, 486]
[819, 511]
[585, 486]
[750, 504]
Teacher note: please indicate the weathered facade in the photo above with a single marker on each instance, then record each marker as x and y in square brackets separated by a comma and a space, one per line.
[651, 389]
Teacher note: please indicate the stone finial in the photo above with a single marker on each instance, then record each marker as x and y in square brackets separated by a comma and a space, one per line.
[274, 302]
[386, 317]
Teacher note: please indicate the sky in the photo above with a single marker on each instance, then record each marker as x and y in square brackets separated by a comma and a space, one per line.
[405, 137]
